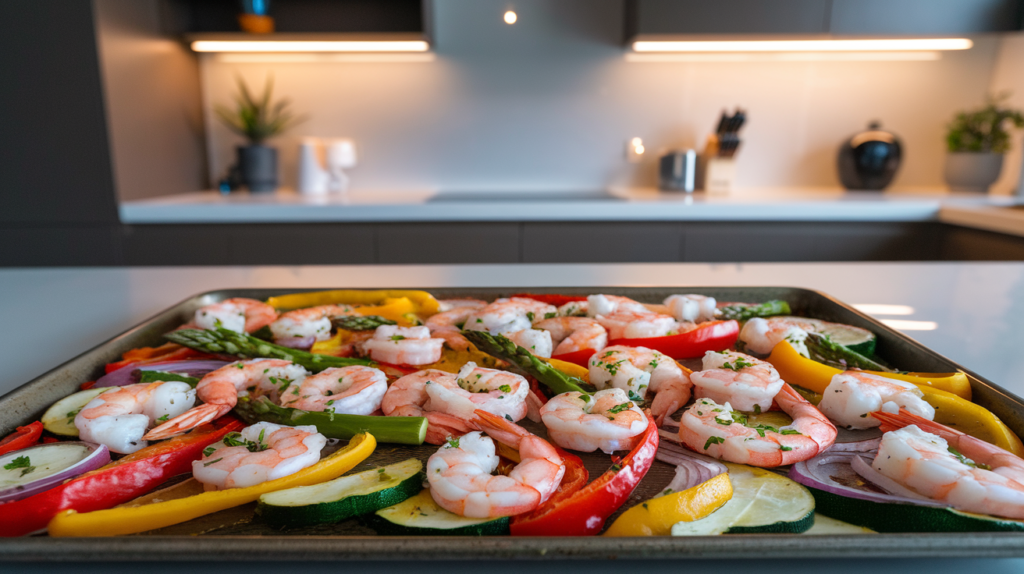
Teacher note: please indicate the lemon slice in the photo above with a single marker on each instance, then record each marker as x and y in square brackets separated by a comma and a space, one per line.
[762, 502]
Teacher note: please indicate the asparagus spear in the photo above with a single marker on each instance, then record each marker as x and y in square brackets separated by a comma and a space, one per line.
[244, 346]
[360, 322]
[824, 350]
[503, 348]
[398, 430]
[743, 312]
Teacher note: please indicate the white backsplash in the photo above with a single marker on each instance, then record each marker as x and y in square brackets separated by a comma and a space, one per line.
[550, 102]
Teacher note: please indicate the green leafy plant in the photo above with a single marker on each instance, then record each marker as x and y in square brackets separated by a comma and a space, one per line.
[258, 119]
[983, 130]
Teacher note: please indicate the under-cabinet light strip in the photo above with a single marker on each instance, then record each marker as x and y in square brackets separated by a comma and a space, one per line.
[863, 45]
[309, 46]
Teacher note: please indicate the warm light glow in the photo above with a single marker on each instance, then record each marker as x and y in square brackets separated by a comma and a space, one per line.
[864, 45]
[905, 325]
[638, 149]
[510, 17]
[878, 309]
[636, 142]
[309, 46]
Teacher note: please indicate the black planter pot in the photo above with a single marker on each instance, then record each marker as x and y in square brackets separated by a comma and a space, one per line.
[257, 165]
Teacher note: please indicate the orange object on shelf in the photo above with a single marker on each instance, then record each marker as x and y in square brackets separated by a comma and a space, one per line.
[256, 24]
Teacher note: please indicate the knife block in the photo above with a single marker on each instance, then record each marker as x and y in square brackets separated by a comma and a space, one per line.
[717, 174]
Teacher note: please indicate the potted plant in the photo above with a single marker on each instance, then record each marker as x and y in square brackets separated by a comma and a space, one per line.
[977, 141]
[257, 120]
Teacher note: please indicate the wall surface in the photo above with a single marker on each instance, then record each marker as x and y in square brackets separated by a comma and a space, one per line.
[550, 102]
[154, 111]
[1008, 80]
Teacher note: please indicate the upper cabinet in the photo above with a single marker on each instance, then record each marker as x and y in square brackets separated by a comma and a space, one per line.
[924, 17]
[817, 17]
[726, 17]
[303, 16]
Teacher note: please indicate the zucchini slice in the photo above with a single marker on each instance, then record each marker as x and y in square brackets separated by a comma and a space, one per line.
[60, 417]
[421, 516]
[892, 517]
[853, 338]
[762, 502]
[343, 497]
[824, 525]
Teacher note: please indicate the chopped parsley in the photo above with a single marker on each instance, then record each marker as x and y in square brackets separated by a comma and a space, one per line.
[963, 460]
[757, 409]
[209, 450]
[550, 315]
[530, 316]
[713, 440]
[163, 418]
[20, 462]
[235, 439]
[785, 448]
[620, 407]
[396, 338]
[452, 442]
[738, 364]
[505, 389]
[205, 464]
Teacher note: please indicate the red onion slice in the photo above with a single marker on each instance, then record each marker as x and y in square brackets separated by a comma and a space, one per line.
[124, 375]
[51, 463]
[868, 446]
[833, 472]
[691, 468]
[296, 342]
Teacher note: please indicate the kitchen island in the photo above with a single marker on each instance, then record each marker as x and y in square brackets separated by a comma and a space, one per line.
[964, 311]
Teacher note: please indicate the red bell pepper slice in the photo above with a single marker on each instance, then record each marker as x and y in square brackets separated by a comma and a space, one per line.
[581, 357]
[711, 336]
[575, 478]
[145, 355]
[584, 512]
[117, 482]
[23, 437]
[551, 299]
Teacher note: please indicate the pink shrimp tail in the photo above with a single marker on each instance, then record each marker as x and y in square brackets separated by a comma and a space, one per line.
[440, 426]
[187, 421]
[500, 429]
[891, 422]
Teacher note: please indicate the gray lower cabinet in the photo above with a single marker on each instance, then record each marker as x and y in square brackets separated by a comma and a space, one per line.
[448, 242]
[965, 244]
[602, 242]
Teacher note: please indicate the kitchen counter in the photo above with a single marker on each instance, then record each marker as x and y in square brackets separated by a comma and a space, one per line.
[969, 309]
[614, 205]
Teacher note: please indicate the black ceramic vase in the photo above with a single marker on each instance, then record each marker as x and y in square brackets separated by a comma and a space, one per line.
[869, 160]
[257, 165]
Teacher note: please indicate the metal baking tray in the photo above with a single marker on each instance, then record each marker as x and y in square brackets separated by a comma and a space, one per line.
[233, 535]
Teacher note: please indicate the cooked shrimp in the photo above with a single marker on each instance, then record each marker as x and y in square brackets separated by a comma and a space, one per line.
[636, 325]
[761, 335]
[237, 314]
[851, 396]
[403, 346]
[303, 327]
[746, 383]
[609, 304]
[691, 308]
[119, 418]
[717, 431]
[498, 392]
[445, 325]
[220, 389]
[637, 370]
[261, 452]
[536, 341]
[460, 479]
[573, 309]
[352, 390]
[947, 465]
[573, 334]
[508, 315]
[606, 420]
[407, 397]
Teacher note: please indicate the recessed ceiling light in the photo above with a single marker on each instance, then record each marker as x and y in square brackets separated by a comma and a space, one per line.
[510, 17]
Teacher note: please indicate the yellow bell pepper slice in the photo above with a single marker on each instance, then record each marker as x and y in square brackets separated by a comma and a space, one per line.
[656, 516]
[333, 345]
[424, 302]
[951, 409]
[131, 520]
[971, 419]
[452, 361]
[956, 383]
[571, 369]
[402, 310]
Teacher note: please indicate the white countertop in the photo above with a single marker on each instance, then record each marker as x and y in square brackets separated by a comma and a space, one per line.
[620, 205]
[55, 314]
